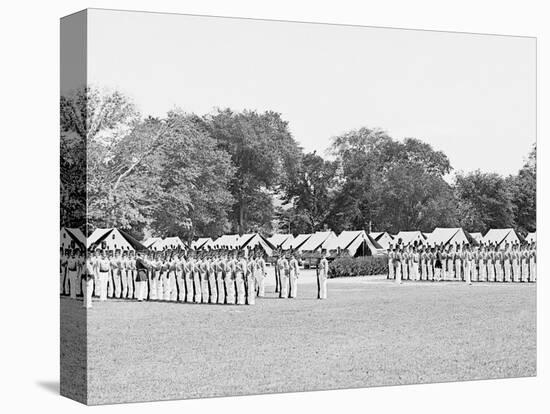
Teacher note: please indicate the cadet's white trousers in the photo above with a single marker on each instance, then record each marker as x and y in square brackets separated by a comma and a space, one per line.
[251, 290]
[415, 271]
[229, 289]
[293, 279]
[212, 288]
[260, 285]
[205, 294]
[88, 291]
[490, 271]
[458, 269]
[103, 280]
[239, 278]
[284, 286]
[499, 274]
[532, 270]
[197, 287]
[72, 282]
[322, 287]
[507, 271]
[390, 269]
[398, 273]
[220, 287]
[467, 272]
[517, 270]
[140, 290]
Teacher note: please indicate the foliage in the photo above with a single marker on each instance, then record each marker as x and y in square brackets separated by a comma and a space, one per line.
[484, 201]
[310, 190]
[263, 152]
[360, 266]
[523, 188]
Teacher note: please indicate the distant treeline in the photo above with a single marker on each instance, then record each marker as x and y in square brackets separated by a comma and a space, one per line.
[242, 172]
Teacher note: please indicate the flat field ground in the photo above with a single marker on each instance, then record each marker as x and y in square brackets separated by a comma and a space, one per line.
[369, 332]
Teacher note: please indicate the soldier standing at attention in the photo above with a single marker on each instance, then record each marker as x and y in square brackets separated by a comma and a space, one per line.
[404, 264]
[430, 263]
[142, 266]
[62, 270]
[180, 277]
[283, 272]
[397, 257]
[294, 273]
[439, 262]
[228, 279]
[482, 276]
[490, 263]
[197, 285]
[516, 264]
[219, 269]
[72, 272]
[415, 260]
[240, 271]
[123, 268]
[260, 276]
[212, 285]
[131, 274]
[467, 259]
[423, 264]
[250, 280]
[499, 274]
[524, 264]
[533, 262]
[89, 273]
[391, 255]
[203, 269]
[113, 277]
[277, 274]
[104, 271]
[322, 275]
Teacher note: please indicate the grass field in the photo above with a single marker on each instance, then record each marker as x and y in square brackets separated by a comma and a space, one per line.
[368, 333]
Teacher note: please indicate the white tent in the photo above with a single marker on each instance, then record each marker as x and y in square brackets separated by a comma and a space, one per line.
[500, 237]
[278, 240]
[227, 241]
[170, 243]
[449, 236]
[478, 237]
[70, 238]
[296, 242]
[531, 237]
[357, 243]
[409, 237]
[317, 241]
[113, 239]
[253, 240]
[383, 238]
[202, 243]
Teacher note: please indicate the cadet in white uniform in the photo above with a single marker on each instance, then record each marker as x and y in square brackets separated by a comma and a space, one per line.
[240, 272]
[229, 279]
[397, 257]
[322, 275]
[260, 276]
[250, 280]
[219, 268]
[72, 271]
[282, 263]
[391, 256]
[104, 272]
[294, 273]
[89, 272]
[124, 265]
[468, 260]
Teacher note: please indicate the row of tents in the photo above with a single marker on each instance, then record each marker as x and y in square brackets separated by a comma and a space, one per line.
[356, 243]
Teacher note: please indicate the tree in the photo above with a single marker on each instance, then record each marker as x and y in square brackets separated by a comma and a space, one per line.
[484, 201]
[310, 190]
[263, 152]
[389, 185]
[523, 187]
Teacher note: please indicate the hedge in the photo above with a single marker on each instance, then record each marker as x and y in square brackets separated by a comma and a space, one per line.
[361, 266]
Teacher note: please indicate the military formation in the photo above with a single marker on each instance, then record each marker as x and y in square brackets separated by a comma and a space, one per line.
[228, 277]
[513, 262]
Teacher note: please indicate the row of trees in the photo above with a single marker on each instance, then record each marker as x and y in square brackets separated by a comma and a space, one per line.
[191, 175]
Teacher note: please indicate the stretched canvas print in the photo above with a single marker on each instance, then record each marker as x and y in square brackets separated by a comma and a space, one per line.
[253, 206]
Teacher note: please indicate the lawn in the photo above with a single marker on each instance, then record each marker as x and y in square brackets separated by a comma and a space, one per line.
[368, 333]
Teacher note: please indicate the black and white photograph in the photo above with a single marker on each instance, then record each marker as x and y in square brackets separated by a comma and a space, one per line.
[253, 206]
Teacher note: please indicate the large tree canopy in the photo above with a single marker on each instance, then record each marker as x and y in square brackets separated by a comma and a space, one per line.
[189, 175]
[263, 152]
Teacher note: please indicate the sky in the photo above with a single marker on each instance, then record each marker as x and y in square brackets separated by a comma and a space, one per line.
[470, 96]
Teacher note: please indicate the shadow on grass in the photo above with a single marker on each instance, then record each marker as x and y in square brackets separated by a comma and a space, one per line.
[51, 386]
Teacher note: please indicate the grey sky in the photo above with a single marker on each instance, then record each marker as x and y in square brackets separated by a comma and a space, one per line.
[472, 96]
